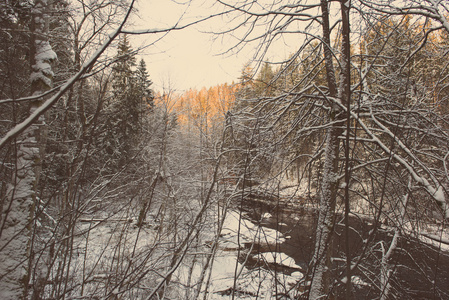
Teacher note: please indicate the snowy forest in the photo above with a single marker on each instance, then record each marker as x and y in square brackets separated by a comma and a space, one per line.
[319, 175]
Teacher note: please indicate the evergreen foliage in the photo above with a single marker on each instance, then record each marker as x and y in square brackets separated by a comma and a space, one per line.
[144, 85]
[132, 97]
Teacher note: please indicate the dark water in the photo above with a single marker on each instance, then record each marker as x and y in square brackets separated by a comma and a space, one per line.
[420, 270]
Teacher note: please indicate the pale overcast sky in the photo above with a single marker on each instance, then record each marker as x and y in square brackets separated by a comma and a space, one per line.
[185, 58]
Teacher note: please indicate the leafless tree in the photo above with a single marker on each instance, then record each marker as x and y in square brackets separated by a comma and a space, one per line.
[374, 131]
[49, 236]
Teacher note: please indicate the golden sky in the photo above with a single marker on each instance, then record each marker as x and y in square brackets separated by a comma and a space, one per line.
[188, 58]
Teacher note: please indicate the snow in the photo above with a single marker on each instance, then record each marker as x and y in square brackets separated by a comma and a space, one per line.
[256, 283]
[19, 128]
[251, 284]
[279, 258]
[359, 281]
[224, 272]
[356, 280]
[40, 76]
[249, 232]
[96, 242]
[440, 198]
[42, 69]
[436, 191]
[266, 215]
[15, 233]
[437, 236]
[44, 51]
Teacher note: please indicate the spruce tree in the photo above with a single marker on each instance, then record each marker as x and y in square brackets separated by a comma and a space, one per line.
[264, 84]
[144, 86]
[124, 111]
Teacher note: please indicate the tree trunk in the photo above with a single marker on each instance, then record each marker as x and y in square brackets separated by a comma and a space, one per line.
[16, 254]
[321, 279]
[321, 272]
[345, 92]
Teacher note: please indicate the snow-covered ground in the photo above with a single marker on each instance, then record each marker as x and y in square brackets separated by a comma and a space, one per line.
[250, 284]
[105, 249]
[228, 274]
[98, 242]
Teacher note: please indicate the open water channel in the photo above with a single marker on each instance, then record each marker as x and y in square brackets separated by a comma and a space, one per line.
[420, 270]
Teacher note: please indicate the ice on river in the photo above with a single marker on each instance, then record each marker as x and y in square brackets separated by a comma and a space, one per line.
[237, 231]
[250, 283]
[278, 258]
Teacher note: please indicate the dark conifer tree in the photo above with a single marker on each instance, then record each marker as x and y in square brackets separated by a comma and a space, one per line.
[124, 112]
[144, 86]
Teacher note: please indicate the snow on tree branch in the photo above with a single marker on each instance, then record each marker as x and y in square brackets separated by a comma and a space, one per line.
[45, 55]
